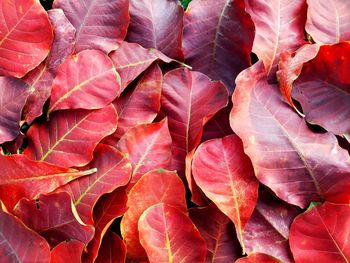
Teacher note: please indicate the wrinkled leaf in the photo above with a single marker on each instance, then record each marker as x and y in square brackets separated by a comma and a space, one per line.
[67, 252]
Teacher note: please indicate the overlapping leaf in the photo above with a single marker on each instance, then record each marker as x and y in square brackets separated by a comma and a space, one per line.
[298, 165]
[163, 187]
[70, 137]
[13, 96]
[168, 235]
[67, 252]
[53, 217]
[25, 36]
[75, 87]
[218, 38]
[112, 249]
[99, 24]
[258, 258]
[157, 24]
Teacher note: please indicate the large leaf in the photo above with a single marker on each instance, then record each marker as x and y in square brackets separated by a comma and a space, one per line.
[154, 187]
[131, 59]
[279, 26]
[113, 171]
[148, 147]
[297, 164]
[218, 38]
[70, 137]
[22, 177]
[168, 235]
[108, 208]
[258, 258]
[322, 233]
[113, 249]
[100, 24]
[53, 217]
[267, 231]
[219, 233]
[328, 22]
[234, 188]
[189, 99]
[87, 80]
[323, 89]
[25, 36]
[157, 24]
[13, 95]
[20, 244]
[67, 252]
[40, 79]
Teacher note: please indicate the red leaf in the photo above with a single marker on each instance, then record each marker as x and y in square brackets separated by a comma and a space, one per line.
[21, 177]
[279, 26]
[157, 24]
[158, 186]
[218, 232]
[13, 95]
[67, 252]
[188, 100]
[297, 164]
[100, 24]
[234, 189]
[321, 233]
[218, 38]
[328, 22]
[112, 249]
[73, 143]
[267, 230]
[20, 244]
[258, 258]
[25, 36]
[15, 145]
[108, 208]
[168, 235]
[53, 217]
[131, 59]
[75, 87]
[142, 104]
[148, 147]
[323, 89]
[113, 171]
[40, 79]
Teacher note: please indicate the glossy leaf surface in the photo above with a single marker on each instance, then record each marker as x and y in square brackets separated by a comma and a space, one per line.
[67, 252]
[168, 235]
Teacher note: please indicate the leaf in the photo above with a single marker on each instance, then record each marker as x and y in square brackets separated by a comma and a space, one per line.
[13, 96]
[15, 145]
[323, 89]
[20, 244]
[148, 147]
[53, 217]
[40, 79]
[327, 22]
[218, 38]
[298, 165]
[321, 232]
[131, 59]
[234, 189]
[67, 252]
[22, 177]
[75, 87]
[258, 258]
[109, 207]
[279, 26]
[73, 143]
[142, 104]
[112, 249]
[113, 171]
[100, 24]
[267, 231]
[219, 233]
[188, 100]
[157, 24]
[168, 235]
[25, 36]
[154, 187]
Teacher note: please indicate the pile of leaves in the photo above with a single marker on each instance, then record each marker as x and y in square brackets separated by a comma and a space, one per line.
[132, 130]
